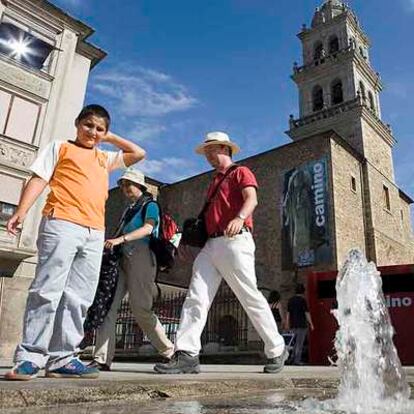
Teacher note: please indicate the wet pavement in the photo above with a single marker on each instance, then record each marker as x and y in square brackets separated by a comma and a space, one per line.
[264, 403]
[307, 401]
[135, 388]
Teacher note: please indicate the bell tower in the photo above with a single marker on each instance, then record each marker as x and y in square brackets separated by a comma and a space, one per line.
[338, 87]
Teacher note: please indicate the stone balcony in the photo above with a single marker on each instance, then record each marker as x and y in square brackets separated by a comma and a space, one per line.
[333, 57]
[332, 111]
[327, 112]
[300, 73]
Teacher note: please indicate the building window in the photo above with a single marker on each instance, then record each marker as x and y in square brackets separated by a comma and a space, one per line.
[318, 51]
[371, 100]
[337, 92]
[386, 197]
[18, 117]
[317, 98]
[23, 47]
[6, 211]
[353, 184]
[333, 45]
[402, 215]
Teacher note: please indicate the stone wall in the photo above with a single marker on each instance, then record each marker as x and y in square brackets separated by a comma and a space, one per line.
[393, 243]
[185, 199]
[376, 150]
[348, 202]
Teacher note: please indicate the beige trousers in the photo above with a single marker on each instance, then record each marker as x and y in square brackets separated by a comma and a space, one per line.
[231, 259]
[137, 277]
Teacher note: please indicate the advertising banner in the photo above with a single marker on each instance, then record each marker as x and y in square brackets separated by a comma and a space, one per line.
[305, 216]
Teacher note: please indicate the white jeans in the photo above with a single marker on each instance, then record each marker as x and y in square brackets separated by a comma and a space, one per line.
[233, 260]
[67, 273]
[136, 276]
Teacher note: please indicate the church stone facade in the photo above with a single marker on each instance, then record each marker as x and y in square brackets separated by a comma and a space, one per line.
[339, 90]
[340, 140]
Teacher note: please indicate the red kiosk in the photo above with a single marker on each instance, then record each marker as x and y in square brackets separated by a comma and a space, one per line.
[398, 288]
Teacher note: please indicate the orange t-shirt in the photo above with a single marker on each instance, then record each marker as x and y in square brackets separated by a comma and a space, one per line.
[78, 181]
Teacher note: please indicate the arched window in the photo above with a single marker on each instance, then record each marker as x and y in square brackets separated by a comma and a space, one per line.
[318, 51]
[362, 91]
[333, 45]
[371, 100]
[317, 98]
[337, 92]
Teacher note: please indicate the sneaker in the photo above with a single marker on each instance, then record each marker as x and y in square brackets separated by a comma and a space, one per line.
[73, 369]
[181, 363]
[99, 365]
[22, 371]
[275, 365]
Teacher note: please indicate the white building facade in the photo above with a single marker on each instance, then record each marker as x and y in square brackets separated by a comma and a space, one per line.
[45, 62]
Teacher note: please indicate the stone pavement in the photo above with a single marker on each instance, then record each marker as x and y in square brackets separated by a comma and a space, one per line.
[134, 382]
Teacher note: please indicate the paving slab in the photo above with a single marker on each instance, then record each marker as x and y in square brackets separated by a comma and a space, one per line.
[134, 382]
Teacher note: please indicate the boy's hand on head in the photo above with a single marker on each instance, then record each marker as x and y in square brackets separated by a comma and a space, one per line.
[106, 137]
[132, 153]
[14, 222]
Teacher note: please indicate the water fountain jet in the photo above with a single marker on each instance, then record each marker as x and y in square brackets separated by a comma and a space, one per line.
[371, 371]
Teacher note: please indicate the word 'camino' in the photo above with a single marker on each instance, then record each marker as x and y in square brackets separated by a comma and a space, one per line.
[319, 194]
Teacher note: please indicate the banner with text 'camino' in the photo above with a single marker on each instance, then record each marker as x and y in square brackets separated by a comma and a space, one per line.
[305, 216]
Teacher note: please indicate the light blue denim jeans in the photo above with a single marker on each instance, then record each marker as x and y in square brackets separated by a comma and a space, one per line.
[67, 273]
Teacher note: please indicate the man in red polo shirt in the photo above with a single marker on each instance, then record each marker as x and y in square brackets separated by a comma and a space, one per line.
[228, 254]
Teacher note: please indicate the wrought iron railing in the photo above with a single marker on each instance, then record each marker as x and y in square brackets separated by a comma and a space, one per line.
[226, 327]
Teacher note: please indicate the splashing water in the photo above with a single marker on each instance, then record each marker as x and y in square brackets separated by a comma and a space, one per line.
[372, 379]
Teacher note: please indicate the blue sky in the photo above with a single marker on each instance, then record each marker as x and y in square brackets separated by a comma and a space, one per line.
[177, 69]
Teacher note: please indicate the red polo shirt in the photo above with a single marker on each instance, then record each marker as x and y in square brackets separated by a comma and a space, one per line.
[228, 201]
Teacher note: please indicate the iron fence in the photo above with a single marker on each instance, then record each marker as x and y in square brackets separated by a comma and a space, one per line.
[226, 327]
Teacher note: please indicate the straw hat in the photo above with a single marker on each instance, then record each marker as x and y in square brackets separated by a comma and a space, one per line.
[134, 175]
[217, 137]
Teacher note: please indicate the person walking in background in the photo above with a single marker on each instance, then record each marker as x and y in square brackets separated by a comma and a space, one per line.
[228, 254]
[298, 319]
[70, 244]
[277, 309]
[137, 272]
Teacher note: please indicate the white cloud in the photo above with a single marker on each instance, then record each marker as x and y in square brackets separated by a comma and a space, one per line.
[145, 130]
[168, 169]
[410, 4]
[143, 92]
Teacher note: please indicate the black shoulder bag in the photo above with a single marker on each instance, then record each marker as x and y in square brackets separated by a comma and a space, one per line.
[194, 229]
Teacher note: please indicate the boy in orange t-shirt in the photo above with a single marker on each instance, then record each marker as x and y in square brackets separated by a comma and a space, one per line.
[70, 244]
